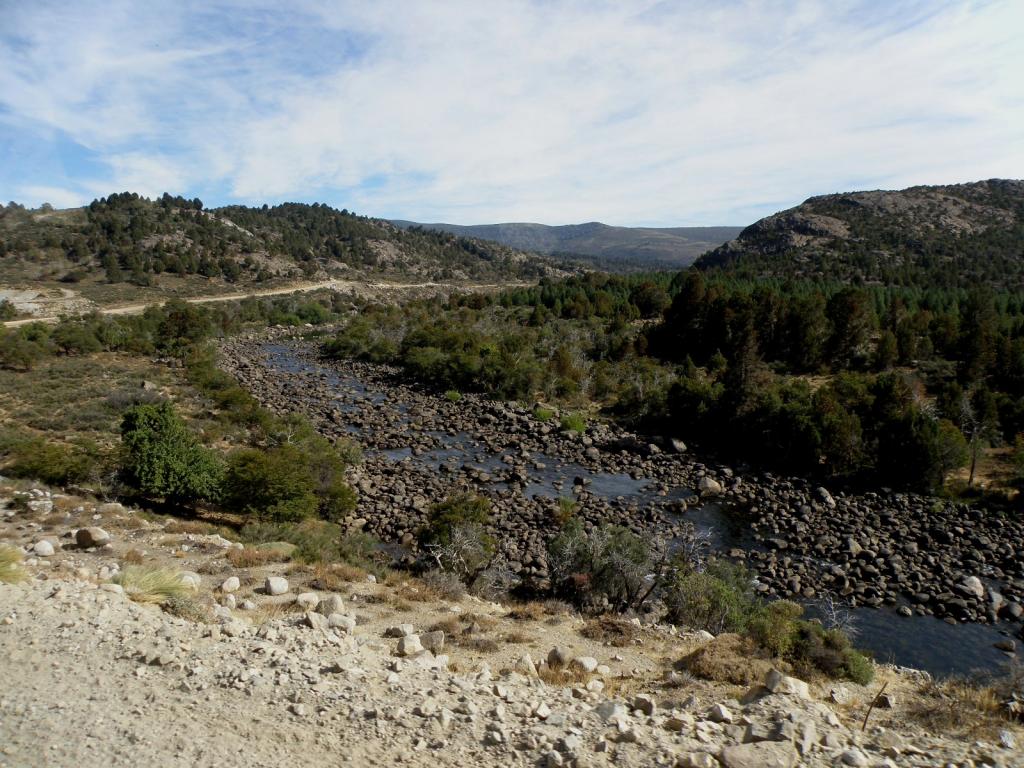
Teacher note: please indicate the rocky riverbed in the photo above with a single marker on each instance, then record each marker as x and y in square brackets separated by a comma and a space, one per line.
[911, 553]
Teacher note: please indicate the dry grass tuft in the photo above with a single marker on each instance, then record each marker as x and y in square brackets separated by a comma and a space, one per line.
[959, 708]
[728, 659]
[611, 630]
[11, 570]
[134, 557]
[532, 611]
[188, 608]
[151, 584]
[516, 637]
[570, 675]
[251, 557]
[331, 577]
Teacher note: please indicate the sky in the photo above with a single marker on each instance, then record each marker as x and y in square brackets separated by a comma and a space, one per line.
[631, 112]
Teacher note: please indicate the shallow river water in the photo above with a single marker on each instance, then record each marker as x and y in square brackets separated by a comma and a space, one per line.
[922, 642]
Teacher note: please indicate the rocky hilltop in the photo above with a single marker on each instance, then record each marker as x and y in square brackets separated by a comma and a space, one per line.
[928, 236]
[130, 639]
[125, 238]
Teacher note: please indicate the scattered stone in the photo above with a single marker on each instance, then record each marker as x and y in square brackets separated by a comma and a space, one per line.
[43, 548]
[409, 645]
[276, 585]
[308, 600]
[719, 713]
[231, 584]
[762, 754]
[399, 630]
[91, 537]
[587, 664]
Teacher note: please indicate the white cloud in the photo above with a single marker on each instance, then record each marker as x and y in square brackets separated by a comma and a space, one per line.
[628, 112]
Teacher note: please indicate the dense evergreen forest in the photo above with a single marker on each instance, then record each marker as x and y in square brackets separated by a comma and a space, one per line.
[128, 238]
[862, 385]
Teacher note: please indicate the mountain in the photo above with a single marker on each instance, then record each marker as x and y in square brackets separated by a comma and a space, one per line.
[609, 246]
[128, 238]
[929, 236]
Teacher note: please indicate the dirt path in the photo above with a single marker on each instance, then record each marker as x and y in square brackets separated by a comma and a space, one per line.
[361, 287]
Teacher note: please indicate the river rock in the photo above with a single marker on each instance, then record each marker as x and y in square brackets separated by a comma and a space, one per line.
[276, 585]
[91, 537]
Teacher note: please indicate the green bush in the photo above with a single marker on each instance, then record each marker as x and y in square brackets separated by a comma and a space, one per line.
[717, 600]
[163, 458]
[609, 566]
[269, 484]
[453, 396]
[55, 463]
[774, 626]
[543, 414]
[291, 482]
[573, 422]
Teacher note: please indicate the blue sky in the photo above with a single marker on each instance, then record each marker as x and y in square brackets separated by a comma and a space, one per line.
[629, 112]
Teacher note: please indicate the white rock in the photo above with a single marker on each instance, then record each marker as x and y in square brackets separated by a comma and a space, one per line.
[719, 713]
[308, 600]
[231, 584]
[340, 621]
[854, 757]
[43, 548]
[409, 645]
[276, 585]
[399, 630]
[587, 664]
[776, 682]
[611, 710]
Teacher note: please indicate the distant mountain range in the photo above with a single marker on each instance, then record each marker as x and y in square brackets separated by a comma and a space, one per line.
[950, 236]
[601, 243]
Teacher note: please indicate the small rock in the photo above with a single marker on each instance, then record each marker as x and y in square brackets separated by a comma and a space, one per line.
[342, 622]
[719, 714]
[645, 703]
[91, 537]
[276, 585]
[761, 754]
[433, 641]
[399, 630]
[854, 757]
[231, 584]
[308, 600]
[587, 664]
[409, 645]
[43, 548]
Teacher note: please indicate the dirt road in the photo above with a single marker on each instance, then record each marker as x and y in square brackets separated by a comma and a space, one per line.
[357, 286]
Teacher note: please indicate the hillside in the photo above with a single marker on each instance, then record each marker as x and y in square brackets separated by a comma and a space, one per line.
[609, 246]
[938, 236]
[127, 239]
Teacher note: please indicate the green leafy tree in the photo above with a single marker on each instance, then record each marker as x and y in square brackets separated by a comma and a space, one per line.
[163, 458]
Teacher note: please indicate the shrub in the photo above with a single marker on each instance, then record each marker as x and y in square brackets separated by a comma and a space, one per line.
[609, 566]
[11, 570]
[713, 601]
[543, 414]
[269, 484]
[456, 535]
[774, 626]
[163, 458]
[150, 584]
[566, 511]
[318, 541]
[55, 463]
[289, 483]
[573, 422]
[453, 396]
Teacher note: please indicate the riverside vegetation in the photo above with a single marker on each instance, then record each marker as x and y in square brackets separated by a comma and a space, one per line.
[287, 474]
